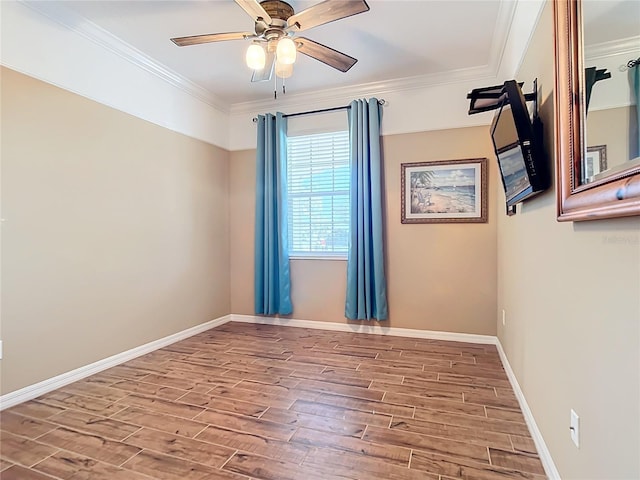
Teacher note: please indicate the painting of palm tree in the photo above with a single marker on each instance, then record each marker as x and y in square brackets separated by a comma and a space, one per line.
[421, 179]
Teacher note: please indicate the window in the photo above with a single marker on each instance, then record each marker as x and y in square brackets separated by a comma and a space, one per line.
[318, 194]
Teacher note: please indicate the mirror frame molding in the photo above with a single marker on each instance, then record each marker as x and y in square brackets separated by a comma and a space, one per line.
[617, 195]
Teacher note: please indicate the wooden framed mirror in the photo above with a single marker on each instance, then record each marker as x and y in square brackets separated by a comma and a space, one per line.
[614, 189]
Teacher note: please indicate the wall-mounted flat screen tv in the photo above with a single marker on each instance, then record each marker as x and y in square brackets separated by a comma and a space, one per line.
[517, 141]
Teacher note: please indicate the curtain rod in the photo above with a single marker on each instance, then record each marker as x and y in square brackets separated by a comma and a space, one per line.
[323, 110]
[633, 63]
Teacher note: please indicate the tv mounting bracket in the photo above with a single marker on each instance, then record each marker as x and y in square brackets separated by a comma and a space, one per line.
[490, 98]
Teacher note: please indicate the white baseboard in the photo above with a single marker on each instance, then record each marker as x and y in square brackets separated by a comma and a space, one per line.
[374, 327]
[545, 456]
[33, 391]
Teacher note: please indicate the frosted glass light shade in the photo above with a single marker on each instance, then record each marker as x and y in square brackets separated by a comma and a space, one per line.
[286, 51]
[284, 70]
[255, 57]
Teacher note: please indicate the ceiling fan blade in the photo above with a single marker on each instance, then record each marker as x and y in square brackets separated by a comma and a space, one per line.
[212, 37]
[325, 12]
[255, 10]
[266, 73]
[333, 58]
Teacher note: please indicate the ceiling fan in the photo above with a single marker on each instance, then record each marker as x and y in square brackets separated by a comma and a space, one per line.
[274, 43]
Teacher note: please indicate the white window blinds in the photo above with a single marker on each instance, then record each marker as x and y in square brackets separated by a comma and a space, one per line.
[318, 194]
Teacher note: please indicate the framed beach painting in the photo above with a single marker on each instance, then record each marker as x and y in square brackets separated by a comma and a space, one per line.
[595, 161]
[447, 191]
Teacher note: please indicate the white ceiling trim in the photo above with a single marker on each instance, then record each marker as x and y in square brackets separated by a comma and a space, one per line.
[521, 29]
[440, 107]
[624, 46]
[85, 27]
[617, 91]
[304, 99]
[504, 22]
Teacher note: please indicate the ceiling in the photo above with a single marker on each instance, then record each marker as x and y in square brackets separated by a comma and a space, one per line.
[610, 20]
[396, 39]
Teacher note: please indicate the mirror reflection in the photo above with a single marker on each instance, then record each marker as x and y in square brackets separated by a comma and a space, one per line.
[612, 87]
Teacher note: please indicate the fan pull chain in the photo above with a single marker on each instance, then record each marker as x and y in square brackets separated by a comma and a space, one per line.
[275, 86]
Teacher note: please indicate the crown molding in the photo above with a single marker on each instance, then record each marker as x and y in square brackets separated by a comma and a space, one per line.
[365, 89]
[83, 26]
[522, 26]
[501, 31]
[623, 46]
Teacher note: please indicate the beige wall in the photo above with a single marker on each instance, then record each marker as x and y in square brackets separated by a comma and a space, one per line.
[439, 276]
[617, 129]
[571, 292]
[115, 231]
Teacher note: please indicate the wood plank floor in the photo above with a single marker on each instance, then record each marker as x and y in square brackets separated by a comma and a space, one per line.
[265, 402]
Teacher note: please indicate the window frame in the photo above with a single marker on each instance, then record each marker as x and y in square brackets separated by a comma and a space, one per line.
[315, 255]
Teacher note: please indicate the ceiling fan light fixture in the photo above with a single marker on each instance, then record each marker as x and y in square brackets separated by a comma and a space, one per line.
[284, 70]
[255, 57]
[276, 22]
[286, 51]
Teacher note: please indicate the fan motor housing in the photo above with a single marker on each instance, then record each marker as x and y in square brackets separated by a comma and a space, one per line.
[277, 9]
[279, 12]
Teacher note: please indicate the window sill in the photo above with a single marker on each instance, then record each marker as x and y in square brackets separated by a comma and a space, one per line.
[342, 258]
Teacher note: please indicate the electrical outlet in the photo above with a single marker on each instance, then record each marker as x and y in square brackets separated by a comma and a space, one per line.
[504, 317]
[574, 428]
[0, 349]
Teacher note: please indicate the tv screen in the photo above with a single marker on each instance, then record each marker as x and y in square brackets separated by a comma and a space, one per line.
[517, 144]
[515, 178]
[514, 172]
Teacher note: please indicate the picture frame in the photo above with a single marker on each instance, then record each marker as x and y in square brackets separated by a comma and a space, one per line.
[444, 191]
[595, 161]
